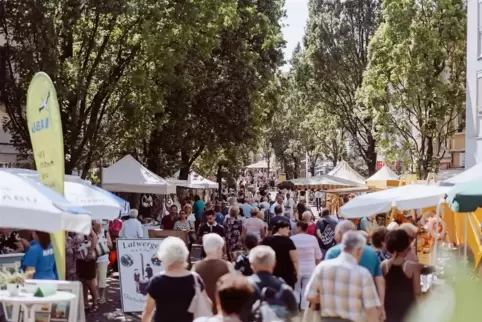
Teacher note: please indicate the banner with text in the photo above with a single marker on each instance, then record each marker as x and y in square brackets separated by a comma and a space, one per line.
[138, 263]
[45, 127]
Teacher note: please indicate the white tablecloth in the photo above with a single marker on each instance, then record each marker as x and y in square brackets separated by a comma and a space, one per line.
[30, 303]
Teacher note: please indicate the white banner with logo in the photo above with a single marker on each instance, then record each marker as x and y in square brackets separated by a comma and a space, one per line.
[138, 263]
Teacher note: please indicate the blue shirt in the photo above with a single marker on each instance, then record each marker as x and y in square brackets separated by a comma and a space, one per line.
[42, 259]
[246, 209]
[198, 209]
[369, 259]
[219, 218]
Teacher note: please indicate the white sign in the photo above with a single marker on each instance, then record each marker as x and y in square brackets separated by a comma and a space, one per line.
[138, 263]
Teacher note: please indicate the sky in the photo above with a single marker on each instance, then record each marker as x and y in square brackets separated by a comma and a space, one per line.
[293, 31]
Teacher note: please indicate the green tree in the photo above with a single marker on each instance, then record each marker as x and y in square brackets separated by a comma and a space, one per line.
[336, 42]
[100, 55]
[215, 101]
[415, 80]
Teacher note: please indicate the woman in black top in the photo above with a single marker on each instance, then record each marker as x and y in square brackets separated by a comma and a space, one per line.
[170, 294]
[286, 255]
[402, 277]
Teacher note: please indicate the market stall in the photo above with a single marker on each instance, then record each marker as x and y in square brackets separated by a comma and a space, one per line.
[407, 197]
[194, 181]
[128, 175]
[344, 171]
[383, 178]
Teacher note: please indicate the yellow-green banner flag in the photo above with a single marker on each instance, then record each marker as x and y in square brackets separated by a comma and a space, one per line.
[45, 126]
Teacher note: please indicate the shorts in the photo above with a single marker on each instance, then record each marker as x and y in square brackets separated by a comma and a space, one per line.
[102, 274]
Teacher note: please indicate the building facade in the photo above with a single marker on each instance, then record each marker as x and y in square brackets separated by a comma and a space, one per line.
[473, 134]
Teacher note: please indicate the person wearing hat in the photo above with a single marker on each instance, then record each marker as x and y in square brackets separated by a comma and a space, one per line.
[132, 228]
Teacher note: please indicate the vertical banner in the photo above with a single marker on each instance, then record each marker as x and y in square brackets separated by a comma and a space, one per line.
[282, 177]
[45, 127]
[138, 263]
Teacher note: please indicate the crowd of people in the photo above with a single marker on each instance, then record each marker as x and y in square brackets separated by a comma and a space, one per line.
[263, 262]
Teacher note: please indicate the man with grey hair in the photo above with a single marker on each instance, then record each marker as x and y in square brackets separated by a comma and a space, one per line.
[269, 288]
[345, 290]
[368, 259]
[132, 228]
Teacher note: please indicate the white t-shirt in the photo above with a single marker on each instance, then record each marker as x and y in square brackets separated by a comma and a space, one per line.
[191, 218]
[308, 250]
[318, 194]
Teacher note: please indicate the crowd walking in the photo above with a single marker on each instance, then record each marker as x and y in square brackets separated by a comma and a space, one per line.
[259, 262]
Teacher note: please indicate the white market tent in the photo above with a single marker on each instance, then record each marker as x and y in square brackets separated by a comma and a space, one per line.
[383, 178]
[194, 181]
[472, 174]
[408, 197]
[128, 175]
[258, 165]
[385, 173]
[344, 171]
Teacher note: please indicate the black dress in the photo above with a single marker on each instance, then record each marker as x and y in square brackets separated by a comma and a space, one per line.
[173, 296]
[399, 295]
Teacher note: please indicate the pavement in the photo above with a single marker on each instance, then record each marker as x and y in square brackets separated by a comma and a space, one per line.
[112, 309]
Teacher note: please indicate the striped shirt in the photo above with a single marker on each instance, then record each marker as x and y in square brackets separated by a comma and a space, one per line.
[308, 250]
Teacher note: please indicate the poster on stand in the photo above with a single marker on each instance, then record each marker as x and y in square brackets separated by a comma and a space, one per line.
[138, 263]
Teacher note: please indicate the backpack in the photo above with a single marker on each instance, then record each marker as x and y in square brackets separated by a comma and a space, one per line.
[270, 307]
[327, 239]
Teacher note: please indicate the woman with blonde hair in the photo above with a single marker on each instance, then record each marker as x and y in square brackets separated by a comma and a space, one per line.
[233, 225]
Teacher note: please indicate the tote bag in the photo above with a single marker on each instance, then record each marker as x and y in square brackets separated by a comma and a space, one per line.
[200, 304]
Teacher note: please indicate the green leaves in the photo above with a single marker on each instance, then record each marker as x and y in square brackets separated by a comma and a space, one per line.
[415, 80]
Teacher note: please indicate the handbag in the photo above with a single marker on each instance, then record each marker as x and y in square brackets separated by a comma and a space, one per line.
[101, 248]
[82, 251]
[312, 313]
[200, 304]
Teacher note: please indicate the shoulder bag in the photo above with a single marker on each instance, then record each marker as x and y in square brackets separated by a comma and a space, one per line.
[200, 305]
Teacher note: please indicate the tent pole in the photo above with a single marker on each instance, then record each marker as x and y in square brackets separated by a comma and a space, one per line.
[466, 238]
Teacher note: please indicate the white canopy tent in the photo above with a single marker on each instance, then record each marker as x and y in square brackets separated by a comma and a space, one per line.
[408, 197]
[128, 175]
[194, 181]
[469, 175]
[385, 173]
[344, 171]
[258, 165]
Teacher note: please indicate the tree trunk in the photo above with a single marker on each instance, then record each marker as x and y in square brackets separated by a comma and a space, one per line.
[153, 153]
[371, 161]
[219, 178]
[185, 166]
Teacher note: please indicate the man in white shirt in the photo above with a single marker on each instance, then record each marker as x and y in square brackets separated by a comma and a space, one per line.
[318, 196]
[132, 228]
[289, 206]
[279, 202]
